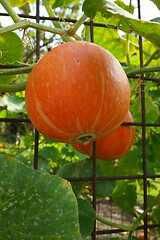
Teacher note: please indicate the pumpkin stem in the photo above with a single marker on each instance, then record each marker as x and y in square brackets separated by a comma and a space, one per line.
[85, 138]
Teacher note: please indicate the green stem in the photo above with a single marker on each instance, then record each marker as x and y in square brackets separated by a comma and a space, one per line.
[128, 45]
[135, 45]
[14, 71]
[27, 24]
[10, 11]
[78, 23]
[15, 26]
[130, 235]
[144, 70]
[59, 31]
[8, 88]
[128, 59]
[151, 57]
[138, 220]
[113, 224]
[52, 14]
[155, 201]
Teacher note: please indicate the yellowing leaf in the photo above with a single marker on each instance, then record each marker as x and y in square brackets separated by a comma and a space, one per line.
[19, 3]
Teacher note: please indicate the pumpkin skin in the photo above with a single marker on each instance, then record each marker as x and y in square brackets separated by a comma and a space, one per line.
[115, 145]
[77, 89]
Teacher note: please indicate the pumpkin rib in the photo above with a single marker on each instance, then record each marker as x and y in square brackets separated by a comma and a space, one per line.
[117, 144]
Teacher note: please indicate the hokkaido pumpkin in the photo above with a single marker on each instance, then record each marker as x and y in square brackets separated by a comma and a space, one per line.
[115, 145]
[77, 91]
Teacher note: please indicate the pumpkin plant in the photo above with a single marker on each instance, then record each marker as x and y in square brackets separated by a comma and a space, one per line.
[115, 145]
[77, 92]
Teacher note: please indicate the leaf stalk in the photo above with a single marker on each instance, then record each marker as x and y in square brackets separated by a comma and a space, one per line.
[26, 24]
[151, 57]
[78, 24]
[144, 70]
[9, 88]
[14, 71]
[52, 14]
[10, 11]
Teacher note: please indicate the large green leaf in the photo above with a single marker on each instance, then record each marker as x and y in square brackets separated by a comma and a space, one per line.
[11, 50]
[124, 195]
[126, 166]
[121, 4]
[35, 205]
[110, 40]
[19, 3]
[152, 111]
[157, 3]
[149, 30]
[91, 7]
[48, 152]
[85, 169]
[86, 217]
[43, 164]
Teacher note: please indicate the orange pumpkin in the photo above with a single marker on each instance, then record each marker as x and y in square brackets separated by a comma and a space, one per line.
[115, 145]
[77, 90]
[141, 236]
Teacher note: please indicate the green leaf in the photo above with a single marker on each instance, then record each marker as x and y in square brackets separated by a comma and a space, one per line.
[155, 20]
[91, 7]
[86, 217]
[49, 152]
[19, 3]
[3, 113]
[10, 53]
[152, 111]
[26, 8]
[156, 213]
[43, 164]
[35, 205]
[67, 152]
[85, 169]
[13, 103]
[105, 188]
[121, 4]
[126, 166]
[124, 195]
[110, 40]
[155, 143]
[60, 3]
[106, 167]
[157, 3]
[148, 30]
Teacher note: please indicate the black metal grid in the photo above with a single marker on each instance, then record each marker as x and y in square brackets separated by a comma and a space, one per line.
[143, 124]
